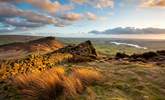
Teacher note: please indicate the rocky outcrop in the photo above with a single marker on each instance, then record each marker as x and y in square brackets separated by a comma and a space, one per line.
[77, 53]
[121, 55]
[157, 57]
[82, 52]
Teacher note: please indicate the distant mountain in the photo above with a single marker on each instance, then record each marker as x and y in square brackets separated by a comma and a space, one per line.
[130, 30]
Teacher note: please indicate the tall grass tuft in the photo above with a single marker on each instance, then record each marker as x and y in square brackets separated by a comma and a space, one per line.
[41, 86]
[86, 76]
[55, 84]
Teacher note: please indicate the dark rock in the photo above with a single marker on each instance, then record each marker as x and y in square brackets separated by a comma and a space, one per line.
[82, 52]
[147, 55]
[121, 55]
[158, 56]
[161, 52]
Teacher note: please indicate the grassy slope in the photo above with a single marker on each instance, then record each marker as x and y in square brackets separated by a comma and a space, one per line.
[111, 50]
[126, 80]
[129, 81]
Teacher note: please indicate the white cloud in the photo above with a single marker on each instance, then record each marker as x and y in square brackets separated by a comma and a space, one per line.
[71, 16]
[96, 3]
[90, 16]
[46, 5]
[11, 15]
[9, 12]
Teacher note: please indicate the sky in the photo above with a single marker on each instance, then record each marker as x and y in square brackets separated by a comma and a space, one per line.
[78, 17]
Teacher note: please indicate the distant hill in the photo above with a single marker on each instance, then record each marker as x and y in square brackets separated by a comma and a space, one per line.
[130, 30]
[5, 39]
[41, 45]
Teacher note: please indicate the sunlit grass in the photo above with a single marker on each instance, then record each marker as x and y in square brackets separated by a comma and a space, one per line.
[55, 84]
[32, 63]
[87, 76]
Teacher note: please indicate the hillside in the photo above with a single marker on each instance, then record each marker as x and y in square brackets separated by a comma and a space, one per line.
[78, 72]
[19, 49]
[76, 53]
[5, 39]
[10, 69]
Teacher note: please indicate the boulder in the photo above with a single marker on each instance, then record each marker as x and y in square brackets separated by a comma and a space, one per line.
[121, 55]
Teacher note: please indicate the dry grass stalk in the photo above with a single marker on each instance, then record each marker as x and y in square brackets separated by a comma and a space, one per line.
[87, 76]
[54, 84]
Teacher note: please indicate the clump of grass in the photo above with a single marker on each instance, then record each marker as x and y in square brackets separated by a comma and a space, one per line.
[87, 76]
[40, 86]
[55, 84]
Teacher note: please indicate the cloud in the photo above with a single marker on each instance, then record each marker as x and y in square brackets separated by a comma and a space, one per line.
[96, 3]
[130, 30]
[24, 19]
[8, 12]
[38, 18]
[153, 3]
[80, 1]
[90, 16]
[4, 28]
[104, 3]
[48, 13]
[71, 16]
[21, 23]
[46, 5]
[77, 16]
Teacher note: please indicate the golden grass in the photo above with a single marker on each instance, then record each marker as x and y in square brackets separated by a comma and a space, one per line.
[32, 63]
[54, 84]
[87, 76]
[39, 86]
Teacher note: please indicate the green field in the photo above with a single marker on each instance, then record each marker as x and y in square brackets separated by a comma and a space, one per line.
[104, 45]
